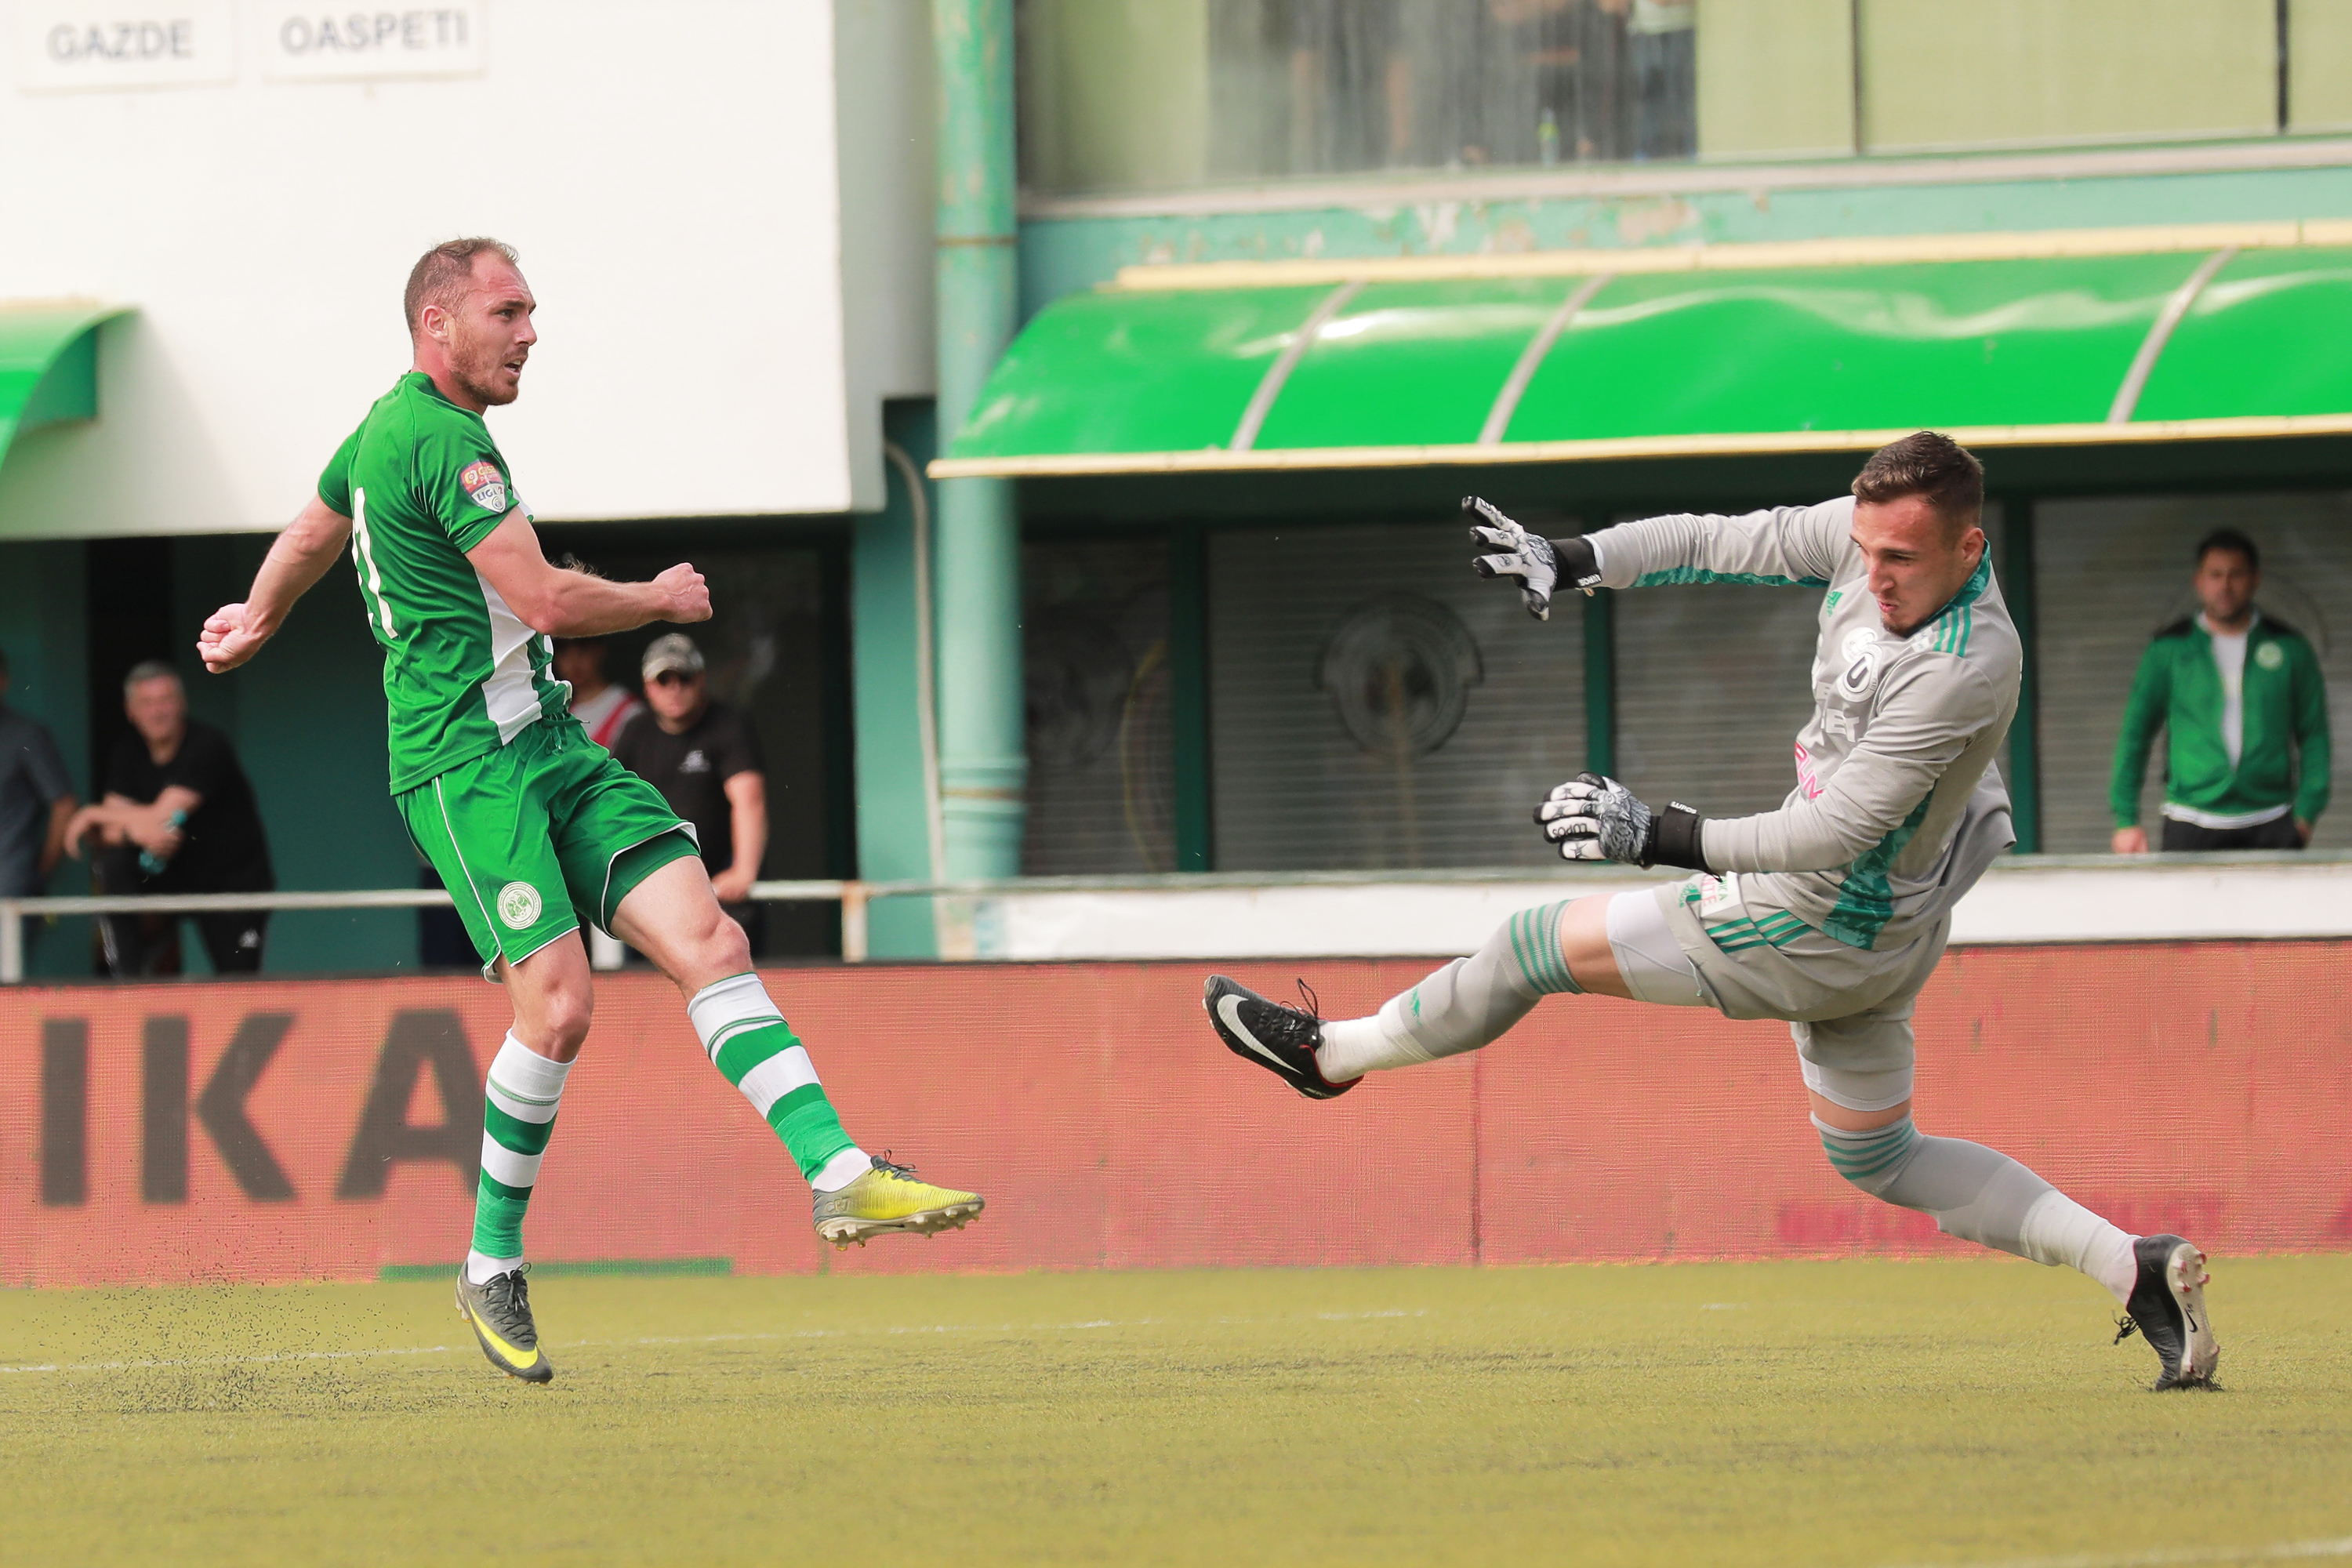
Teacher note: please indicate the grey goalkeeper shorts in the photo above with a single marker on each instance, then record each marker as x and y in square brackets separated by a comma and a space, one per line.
[1848, 1008]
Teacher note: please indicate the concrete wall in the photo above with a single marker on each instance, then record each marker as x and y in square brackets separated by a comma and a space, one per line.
[731, 246]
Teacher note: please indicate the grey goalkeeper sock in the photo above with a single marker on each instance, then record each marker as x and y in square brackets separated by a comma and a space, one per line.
[1980, 1195]
[1472, 1002]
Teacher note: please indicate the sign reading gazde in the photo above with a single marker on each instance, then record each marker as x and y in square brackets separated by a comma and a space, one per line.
[316, 43]
[97, 45]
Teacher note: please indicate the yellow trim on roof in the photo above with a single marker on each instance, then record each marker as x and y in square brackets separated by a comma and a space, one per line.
[1216, 460]
[1891, 250]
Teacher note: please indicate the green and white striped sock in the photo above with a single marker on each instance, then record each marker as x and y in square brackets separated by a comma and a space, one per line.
[519, 1106]
[750, 1043]
[1468, 1003]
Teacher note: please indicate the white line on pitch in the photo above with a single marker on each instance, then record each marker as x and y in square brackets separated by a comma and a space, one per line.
[222, 1359]
[2179, 1557]
[150, 1365]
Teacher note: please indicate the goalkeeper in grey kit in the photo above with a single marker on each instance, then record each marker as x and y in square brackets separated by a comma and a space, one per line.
[1829, 912]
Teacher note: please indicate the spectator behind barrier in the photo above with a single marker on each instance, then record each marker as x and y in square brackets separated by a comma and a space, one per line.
[177, 817]
[2244, 712]
[704, 759]
[604, 708]
[36, 802]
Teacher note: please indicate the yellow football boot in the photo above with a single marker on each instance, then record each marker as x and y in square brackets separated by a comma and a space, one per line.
[499, 1312]
[888, 1198]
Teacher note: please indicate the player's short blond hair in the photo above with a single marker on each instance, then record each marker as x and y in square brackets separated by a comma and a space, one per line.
[442, 274]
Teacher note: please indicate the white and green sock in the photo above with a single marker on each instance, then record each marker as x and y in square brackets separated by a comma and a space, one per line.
[519, 1104]
[1470, 1003]
[1982, 1195]
[748, 1042]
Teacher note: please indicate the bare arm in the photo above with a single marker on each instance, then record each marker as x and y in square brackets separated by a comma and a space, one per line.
[572, 604]
[298, 559]
[747, 804]
[53, 846]
[147, 824]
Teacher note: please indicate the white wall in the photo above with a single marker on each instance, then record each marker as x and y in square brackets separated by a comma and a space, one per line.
[2031, 898]
[670, 170]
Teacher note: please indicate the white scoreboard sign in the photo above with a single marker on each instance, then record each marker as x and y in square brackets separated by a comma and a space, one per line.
[97, 45]
[308, 42]
[734, 267]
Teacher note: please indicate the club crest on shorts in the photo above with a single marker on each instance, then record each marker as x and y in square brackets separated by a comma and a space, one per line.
[484, 485]
[519, 904]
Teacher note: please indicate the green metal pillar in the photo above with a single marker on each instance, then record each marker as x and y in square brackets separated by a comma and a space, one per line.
[1600, 616]
[984, 764]
[2024, 731]
[894, 839]
[1188, 691]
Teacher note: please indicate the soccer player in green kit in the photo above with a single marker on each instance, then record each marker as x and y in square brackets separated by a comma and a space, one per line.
[534, 828]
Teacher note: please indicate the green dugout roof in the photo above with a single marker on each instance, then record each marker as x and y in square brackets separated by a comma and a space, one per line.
[48, 364]
[2072, 338]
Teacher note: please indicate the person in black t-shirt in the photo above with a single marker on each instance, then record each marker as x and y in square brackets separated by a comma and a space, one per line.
[178, 816]
[704, 759]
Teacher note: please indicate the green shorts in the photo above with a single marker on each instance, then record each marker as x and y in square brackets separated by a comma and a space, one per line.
[540, 837]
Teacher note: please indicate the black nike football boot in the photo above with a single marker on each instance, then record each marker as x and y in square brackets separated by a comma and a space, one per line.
[1279, 1038]
[2167, 1307]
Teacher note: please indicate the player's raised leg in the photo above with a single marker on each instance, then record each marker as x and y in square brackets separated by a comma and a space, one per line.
[672, 918]
[1470, 1003]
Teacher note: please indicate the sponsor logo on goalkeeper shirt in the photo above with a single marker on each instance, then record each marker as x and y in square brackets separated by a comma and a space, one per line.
[1861, 652]
[484, 486]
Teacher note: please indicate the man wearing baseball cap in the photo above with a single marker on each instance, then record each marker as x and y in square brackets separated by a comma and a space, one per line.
[704, 758]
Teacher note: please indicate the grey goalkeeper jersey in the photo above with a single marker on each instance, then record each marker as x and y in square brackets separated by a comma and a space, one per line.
[1898, 808]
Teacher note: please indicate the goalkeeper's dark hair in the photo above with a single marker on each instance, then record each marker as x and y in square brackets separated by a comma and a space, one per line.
[1930, 465]
[2232, 540]
[442, 274]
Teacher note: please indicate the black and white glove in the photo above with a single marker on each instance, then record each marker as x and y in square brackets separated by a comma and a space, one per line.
[1594, 818]
[1538, 563]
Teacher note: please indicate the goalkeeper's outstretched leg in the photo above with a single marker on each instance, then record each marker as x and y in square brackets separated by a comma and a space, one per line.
[1854, 1051]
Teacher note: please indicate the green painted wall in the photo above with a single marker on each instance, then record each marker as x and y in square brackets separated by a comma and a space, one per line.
[2319, 65]
[308, 719]
[2016, 72]
[893, 841]
[42, 624]
[1116, 94]
[1059, 255]
[1775, 78]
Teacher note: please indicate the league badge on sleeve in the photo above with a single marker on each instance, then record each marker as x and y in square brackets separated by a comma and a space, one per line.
[484, 485]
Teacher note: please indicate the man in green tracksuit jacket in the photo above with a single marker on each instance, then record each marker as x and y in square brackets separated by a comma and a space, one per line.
[2239, 698]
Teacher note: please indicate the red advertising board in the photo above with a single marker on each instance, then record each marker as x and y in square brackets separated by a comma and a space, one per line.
[292, 1129]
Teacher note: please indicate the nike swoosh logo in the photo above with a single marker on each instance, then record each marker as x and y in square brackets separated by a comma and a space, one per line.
[521, 1358]
[1229, 1008]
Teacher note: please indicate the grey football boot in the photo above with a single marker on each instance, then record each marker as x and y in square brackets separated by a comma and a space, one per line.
[499, 1312]
[2167, 1309]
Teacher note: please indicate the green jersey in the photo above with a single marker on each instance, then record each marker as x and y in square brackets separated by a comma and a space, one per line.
[423, 483]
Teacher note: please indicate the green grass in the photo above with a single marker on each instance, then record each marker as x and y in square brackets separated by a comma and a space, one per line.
[1862, 1413]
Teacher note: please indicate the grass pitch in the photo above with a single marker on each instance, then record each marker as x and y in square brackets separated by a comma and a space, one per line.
[1860, 1413]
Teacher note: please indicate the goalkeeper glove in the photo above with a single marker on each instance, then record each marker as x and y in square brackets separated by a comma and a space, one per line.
[1596, 818]
[1538, 563]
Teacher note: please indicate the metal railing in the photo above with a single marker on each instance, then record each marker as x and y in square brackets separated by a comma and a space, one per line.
[855, 896]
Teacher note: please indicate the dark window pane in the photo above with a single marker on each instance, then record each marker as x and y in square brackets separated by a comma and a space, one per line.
[1374, 704]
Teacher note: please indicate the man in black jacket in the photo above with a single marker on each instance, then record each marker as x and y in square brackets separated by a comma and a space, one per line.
[177, 816]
